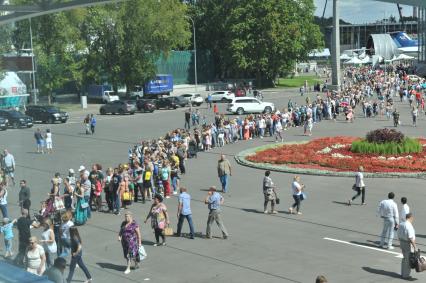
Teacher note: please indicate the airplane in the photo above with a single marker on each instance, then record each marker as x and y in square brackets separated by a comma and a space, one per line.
[404, 42]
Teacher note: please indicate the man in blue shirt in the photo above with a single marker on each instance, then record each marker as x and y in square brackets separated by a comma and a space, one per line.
[214, 200]
[184, 211]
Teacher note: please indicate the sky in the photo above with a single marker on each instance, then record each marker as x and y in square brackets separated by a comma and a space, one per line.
[362, 11]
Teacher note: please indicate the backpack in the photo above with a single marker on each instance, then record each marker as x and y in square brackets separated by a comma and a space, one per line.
[147, 176]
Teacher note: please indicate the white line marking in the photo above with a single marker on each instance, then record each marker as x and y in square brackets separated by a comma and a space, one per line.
[398, 255]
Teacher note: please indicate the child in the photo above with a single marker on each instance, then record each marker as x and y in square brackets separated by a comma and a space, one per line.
[7, 230]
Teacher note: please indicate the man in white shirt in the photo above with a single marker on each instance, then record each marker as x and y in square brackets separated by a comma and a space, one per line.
[8, 165]
[388, 210]
[405, 209]
[407, 238]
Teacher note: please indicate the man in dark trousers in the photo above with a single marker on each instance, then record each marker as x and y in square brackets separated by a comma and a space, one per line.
[187, 119]
[24, 196]
[23, 225]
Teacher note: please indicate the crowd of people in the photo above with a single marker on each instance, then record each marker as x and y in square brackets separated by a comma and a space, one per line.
[153, 168]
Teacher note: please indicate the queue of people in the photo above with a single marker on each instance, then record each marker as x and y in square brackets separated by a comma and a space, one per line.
[152, 174]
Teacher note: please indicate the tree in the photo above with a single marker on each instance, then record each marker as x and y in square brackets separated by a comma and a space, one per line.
[125, 40]
[5, 44]
[258, 39]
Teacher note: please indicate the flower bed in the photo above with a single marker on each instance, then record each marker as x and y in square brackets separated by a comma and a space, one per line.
[333, 154]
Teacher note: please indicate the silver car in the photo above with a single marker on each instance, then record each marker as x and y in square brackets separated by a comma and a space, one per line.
[119, 107]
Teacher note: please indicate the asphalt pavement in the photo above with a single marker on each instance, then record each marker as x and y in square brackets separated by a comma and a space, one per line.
[330, 238]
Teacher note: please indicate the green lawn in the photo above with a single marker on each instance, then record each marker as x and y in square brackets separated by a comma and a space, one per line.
[297, 81]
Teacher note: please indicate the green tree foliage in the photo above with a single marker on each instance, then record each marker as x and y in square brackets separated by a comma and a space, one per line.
[116, 43]
[5, 43]
[260, 39]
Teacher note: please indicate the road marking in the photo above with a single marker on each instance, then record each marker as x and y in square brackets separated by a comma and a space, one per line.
[398, 255]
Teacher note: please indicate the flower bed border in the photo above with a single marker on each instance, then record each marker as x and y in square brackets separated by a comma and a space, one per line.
[241, 159]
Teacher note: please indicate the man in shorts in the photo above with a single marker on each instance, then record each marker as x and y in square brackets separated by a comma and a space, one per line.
[8, 164]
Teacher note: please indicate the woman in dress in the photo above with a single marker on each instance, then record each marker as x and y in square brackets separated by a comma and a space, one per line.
[159, 219]
[35, 257]
[76, 256]
[246, 130]
[131, 240]
[48, 242]
[80, 213]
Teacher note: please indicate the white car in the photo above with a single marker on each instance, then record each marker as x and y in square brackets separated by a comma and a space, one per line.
[194, 98]
[241, 105]
[414, 78]
[222, 96]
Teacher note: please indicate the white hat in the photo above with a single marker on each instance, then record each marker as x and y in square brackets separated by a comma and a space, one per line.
[71, 171]
[82, 168]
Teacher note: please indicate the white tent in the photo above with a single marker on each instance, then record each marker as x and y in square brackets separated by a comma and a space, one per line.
[345, 56]
[367, 60]
[404, 57]
[12, 85]
[353, 61]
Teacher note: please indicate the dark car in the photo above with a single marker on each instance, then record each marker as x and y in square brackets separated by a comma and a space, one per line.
[180, 101]
[166, 102]
[146, 105]
[3, 123]
[17, 119]
[119, 106]
[46, 114]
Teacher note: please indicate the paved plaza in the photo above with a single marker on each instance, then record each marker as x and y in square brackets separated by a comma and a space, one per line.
[330, 238]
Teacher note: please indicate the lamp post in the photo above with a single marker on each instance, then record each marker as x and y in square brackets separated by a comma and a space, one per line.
[32, 64]
[195, 53]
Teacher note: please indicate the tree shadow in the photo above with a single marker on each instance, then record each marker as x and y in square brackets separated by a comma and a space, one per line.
[382, 272]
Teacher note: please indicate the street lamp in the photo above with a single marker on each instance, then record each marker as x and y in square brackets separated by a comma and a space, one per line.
[195, 53]
[32, 64]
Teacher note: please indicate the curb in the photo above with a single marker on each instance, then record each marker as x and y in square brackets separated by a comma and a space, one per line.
[240, 158]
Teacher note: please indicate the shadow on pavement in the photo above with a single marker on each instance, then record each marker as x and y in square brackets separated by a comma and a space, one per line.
[345, 203]
[381, 272]
[107, 265]
[252, 210]
[420, 236]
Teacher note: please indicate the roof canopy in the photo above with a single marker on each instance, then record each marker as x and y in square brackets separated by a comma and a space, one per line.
[418, 3]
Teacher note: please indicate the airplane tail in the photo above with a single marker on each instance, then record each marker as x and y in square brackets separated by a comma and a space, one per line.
[402, 40]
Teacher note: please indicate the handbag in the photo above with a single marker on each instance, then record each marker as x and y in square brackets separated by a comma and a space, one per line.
[168, 231]
[303, 196]
[58, 204]
[419, 262]
[84, 205]
[277, 201]
[142, 253]
[127, 196]
[354, 187]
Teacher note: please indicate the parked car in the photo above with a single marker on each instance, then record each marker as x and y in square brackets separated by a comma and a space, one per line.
[119, 106]
[46, 114]
[222, 96]
[3, 123]
[17, 119]
[243, 105]
[194, 98]
[167, 102]
[145, 105]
